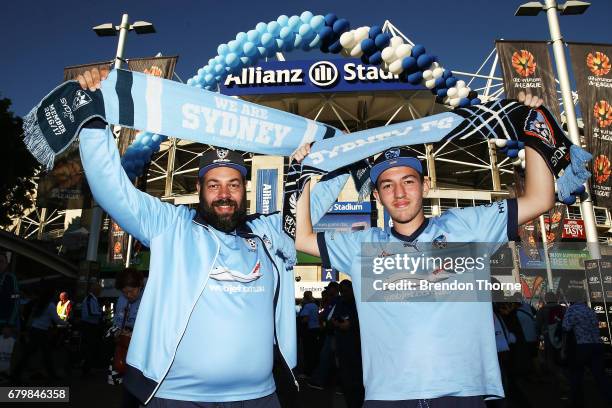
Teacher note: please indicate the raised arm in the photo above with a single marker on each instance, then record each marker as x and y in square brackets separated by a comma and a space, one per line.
[140, 214]
[305, 237]
[539, 194]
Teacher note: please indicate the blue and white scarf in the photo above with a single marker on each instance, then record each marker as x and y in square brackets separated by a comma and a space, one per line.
[157, 105]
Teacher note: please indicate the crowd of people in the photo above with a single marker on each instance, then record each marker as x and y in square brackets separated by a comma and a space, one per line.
[49, 326]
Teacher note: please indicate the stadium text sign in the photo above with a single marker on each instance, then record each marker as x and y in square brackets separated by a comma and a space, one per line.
[339, 75]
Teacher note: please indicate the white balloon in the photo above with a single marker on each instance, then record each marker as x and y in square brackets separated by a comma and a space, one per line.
[356, 51]
[437, 72]
[396, 41]
[463, 92]
[556, 188]
[430, 83]
[347, 39]
[403, 51]
[492, 141]
[454, 102]
[501, 142]
[388, 54]
[517, 163]
[460, 84]
[523, 167]
[452, 92]
[427, 74]
[396, 67]
[521, 154]
[362, 33]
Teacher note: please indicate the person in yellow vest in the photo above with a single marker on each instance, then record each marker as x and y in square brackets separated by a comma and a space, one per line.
[64, 307]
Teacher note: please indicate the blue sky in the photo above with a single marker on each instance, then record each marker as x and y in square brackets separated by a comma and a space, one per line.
[41, 38]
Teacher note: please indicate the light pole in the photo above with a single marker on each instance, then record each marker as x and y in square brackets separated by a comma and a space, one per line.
[570, 7]
[107, 30]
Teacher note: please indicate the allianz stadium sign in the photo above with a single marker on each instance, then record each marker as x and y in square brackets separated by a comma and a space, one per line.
[336, 75]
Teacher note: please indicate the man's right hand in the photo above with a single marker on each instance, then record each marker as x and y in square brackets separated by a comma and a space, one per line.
[91, 79]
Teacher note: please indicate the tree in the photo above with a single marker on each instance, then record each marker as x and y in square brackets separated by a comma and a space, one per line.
[17, 168]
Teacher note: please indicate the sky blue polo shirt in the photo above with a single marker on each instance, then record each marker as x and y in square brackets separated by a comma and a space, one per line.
[415, 350]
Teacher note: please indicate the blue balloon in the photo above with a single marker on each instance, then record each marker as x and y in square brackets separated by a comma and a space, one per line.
[273, 28]
[156, 138]
[417, 50]
[231, 60]
[335, 47]
[512, 144]
[409, 65]
[326, 34]
[511, 152]
[450, 82]
[374, 31]
[367, 46]
[263, 52]
[341, 25]
[249, 49]
[267, 40]
[424, 61]
[297, 41]
[241, 37]
[415, 78]
[220, 58]
[441, 92]
[282, 20]
[376, 58]
[253, 36]
[382, 40]
[222, 49]
[294, 23]
[317, 23]
[245, 61]
[447, 74]
[521, 145]
[146, 139]
[464, 102]
[305, 30]
[208, 78]
[306, 16]
[233, 46]
[315, 42]
[330, 19]
[279, 44]
[365, 59]
[261, 27]
[286, 33]
[475, 101]
[190, 82]
[440, 83]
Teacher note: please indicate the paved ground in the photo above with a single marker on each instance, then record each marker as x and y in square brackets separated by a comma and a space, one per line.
[93, 392]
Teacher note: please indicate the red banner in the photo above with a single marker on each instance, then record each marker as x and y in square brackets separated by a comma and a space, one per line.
[573, 229]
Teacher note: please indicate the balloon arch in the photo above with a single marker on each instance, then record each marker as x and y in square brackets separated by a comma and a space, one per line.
[329, 34]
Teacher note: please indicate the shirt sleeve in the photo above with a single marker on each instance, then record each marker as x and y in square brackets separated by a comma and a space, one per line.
[493, 222]
[139, 213]
[339, 250]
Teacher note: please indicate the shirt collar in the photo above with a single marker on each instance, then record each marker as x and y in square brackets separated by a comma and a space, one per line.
[414, 235]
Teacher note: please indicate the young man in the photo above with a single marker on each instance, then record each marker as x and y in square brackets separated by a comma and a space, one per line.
[218, 306]
[418, 354]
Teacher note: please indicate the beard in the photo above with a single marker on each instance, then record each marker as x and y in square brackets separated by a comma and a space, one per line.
[224, 223]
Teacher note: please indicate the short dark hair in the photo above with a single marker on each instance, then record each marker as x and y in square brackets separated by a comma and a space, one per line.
[129, 277]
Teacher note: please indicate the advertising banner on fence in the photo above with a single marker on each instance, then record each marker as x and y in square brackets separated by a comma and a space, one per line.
[266, 191]
[593, 74]
[526, 67]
